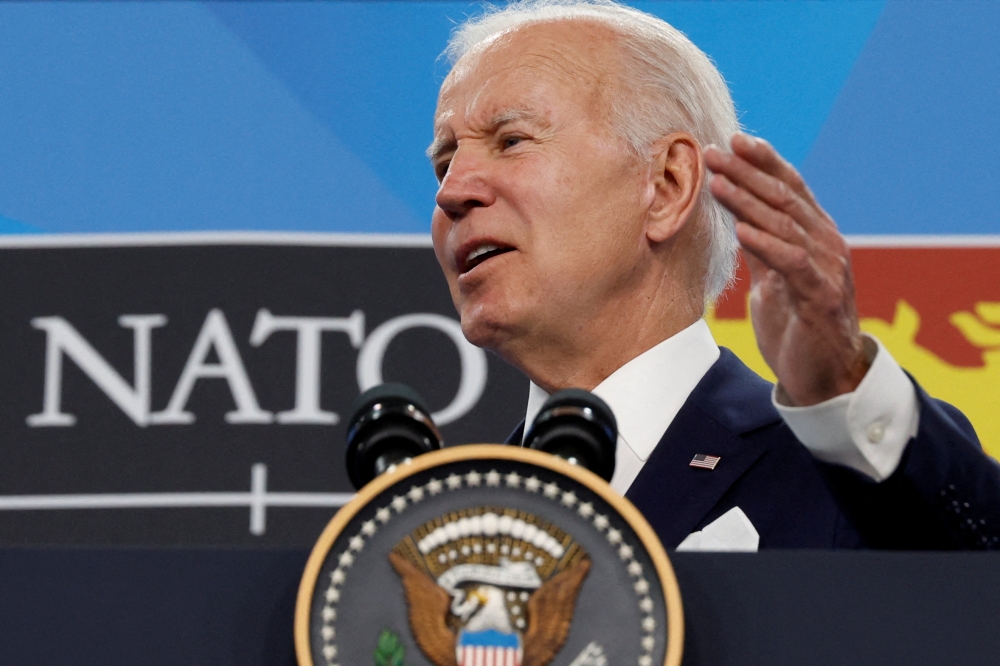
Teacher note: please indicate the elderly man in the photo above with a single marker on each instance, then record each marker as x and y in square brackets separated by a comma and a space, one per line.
[581, 236]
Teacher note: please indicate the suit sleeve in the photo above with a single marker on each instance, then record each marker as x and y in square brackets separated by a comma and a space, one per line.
[943, 495]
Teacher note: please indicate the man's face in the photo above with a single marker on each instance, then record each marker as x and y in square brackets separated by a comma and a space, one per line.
[539, 224]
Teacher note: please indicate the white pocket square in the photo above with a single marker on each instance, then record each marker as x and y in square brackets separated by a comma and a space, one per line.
[731, 532]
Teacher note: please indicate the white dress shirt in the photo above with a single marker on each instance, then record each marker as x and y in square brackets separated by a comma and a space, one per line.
[866, 430]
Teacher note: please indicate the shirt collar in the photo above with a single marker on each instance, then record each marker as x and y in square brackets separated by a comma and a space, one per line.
[646, 393]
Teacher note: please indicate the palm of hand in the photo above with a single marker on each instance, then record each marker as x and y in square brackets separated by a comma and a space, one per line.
[812, 347]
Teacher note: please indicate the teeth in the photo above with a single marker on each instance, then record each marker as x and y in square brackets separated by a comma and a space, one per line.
[480, 251]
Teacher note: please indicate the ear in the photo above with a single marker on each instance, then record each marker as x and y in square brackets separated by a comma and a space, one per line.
[676, 176]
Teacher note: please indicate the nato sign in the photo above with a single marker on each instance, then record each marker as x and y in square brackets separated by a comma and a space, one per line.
[214, 234]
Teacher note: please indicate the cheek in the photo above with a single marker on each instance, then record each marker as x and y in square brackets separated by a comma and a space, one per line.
[603, 259]
[440, 226]
[601, 224]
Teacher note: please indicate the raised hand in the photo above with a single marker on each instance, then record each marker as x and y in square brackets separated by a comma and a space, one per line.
[802, 294]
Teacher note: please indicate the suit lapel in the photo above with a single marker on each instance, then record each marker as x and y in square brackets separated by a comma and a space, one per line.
[517, 436]
[728, 402]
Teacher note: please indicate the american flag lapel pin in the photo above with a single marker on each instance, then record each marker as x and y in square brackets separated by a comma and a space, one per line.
[705, 462]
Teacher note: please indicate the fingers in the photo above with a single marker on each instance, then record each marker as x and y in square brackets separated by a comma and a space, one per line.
[792, 261]
[758, 269]
[762, 276]
[767, 177]
[778, 219]
[774, 237]
[762, 155]
[746, 206]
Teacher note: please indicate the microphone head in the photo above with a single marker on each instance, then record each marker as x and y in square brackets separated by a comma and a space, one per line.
[578, 426]
[390, 425]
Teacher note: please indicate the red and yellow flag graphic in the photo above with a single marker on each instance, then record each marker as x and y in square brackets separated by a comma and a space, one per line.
[936, 309]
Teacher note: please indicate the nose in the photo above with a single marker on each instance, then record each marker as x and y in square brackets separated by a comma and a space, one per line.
[464, 187]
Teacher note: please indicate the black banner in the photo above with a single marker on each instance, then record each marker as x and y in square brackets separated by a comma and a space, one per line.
[197, 391]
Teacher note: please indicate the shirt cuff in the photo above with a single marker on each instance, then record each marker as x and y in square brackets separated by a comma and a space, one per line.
[867, 429]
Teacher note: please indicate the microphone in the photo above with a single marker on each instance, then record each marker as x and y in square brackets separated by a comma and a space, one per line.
[579, 427]
[391, 425]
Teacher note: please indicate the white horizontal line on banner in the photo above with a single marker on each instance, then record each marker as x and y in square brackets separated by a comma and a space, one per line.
[258, 500]
[930, 241]
[335, 239]
[152, 239]
[170, 500]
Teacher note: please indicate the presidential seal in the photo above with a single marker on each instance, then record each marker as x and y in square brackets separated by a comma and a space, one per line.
[488, 556]
[490, 585]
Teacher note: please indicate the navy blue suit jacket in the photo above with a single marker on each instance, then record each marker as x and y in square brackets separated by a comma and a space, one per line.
[945, 494]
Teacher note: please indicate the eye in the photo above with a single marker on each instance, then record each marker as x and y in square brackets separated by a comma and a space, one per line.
[510, 141]
[441, 169]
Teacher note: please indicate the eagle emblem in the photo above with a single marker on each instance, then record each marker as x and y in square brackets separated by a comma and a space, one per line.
[490, 586]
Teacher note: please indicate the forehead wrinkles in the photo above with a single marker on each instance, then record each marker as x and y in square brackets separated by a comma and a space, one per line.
[517, 61]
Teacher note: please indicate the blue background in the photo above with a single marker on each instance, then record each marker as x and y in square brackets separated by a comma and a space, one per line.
[289, 116]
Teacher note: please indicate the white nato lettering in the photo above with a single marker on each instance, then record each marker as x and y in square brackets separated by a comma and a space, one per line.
[215, 334]
[61, 339]
[308, 358]
[474, 364]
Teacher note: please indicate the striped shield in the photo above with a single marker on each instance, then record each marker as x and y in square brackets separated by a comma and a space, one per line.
[489, 648]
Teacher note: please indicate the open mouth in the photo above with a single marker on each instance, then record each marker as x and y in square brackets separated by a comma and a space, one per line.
[483, 253]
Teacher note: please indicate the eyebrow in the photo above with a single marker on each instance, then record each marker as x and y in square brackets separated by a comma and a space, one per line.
[439, 145]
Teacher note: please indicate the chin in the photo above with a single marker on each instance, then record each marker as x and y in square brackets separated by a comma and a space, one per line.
[486, 327]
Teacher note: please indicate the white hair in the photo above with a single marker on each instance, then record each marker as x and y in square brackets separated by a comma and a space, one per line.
[670, 84]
